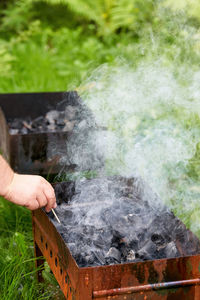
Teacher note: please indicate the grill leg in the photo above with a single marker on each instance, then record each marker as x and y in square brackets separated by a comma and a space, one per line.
[39, 262]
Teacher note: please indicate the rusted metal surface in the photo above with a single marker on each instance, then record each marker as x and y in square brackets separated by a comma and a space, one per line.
[170, 279]
[145, 288]
[36, 153]
[4, 137]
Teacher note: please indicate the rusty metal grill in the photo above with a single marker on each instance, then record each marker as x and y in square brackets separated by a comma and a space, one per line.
[176, 278]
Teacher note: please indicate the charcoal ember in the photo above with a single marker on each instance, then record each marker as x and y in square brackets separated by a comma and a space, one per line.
[107, 236]
[64, 192]
[113, 254]
[67, 217]
[143, 255]
[142, 237]
[99, 257]
[59, 193]
[90, 259]
[69, 125]
[134, 218]
[131, 256]
[13, 131]
[52, 116]
[158, 239]
[76, 235]
[132, 241]
[124, 250]
[99, 242]
[24, 130]
[171, 250]
[67, 214]
[60, 121]
[150, 248]
[147, 252]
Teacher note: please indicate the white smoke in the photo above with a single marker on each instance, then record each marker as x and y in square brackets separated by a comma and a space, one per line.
[147, 114]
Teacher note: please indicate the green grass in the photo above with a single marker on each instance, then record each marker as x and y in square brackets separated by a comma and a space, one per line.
[17, 262]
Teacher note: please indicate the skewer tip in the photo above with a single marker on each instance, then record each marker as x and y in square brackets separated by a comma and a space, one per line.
[53, 211]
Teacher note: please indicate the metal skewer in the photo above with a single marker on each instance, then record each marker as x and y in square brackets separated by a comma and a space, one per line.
[53, 211]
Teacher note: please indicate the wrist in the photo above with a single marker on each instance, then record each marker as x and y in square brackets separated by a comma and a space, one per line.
[6, 177]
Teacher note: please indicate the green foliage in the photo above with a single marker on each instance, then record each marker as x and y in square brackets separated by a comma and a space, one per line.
[111, 15]
[6, 60]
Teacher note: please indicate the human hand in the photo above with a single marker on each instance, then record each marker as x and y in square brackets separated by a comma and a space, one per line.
[31, 191]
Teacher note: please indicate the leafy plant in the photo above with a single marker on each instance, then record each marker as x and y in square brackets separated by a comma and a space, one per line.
[110, 15]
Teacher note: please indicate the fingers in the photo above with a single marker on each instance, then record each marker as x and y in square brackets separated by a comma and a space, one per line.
[32, 205]
[50, 196]
[42, 199]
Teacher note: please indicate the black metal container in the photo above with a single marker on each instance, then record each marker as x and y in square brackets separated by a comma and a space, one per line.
[37, 152]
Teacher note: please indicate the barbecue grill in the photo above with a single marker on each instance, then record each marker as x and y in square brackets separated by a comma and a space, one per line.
[175, 278]
[32, 153]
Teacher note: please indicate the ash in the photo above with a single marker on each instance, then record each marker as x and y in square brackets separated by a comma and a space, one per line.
[115, 220]
[54, 120]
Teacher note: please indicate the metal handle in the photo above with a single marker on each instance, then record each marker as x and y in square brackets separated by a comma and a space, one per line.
[143, 288]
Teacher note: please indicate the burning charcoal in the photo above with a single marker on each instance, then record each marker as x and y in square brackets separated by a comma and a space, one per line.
[134, 218]
[127, 226]
[24, 130]
[59, 193]
[68, 125]
[13, 131]
[67, 217]
[107, 236]
[149, 247]
[114, 253]
[147, 252]
[143, 255]
[171, 250]
[99, 255]
[158, 239]
[60, 120]
[52, 116]
[133, 241]
[88, 230]
[131, 256]
[69, 190]
[90, 259]
[99, 242]
[118, 237]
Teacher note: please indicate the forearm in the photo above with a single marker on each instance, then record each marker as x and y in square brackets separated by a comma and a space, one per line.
[6, 176]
